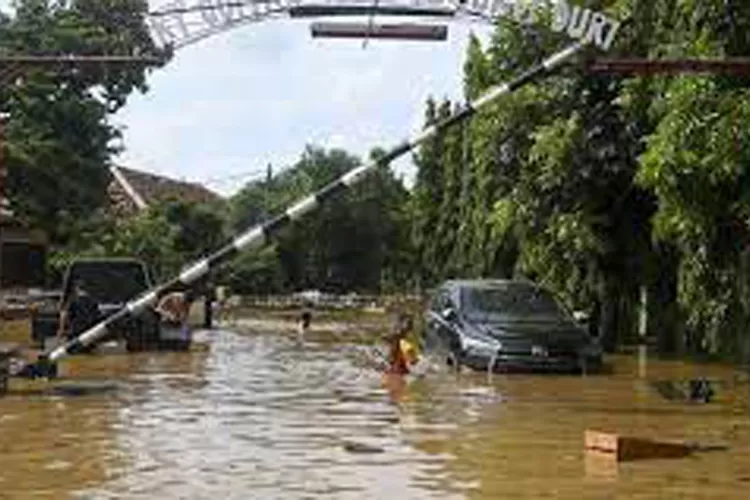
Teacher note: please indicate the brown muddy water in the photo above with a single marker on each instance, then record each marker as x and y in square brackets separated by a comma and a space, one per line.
[261, 414]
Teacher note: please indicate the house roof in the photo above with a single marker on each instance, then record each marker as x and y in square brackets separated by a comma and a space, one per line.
[144, 188]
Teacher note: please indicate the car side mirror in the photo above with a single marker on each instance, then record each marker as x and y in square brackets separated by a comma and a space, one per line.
[449, 314]
[581, 317]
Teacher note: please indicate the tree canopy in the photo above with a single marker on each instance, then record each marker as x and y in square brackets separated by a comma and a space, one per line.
[597, 185]
[58, 140]
[353, 243]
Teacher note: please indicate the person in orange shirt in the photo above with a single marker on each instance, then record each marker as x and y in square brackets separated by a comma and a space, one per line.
[402, 356]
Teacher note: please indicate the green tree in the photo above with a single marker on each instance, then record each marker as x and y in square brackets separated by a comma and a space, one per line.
[427, 198]
[352, 243]
[694, 164]
[58, 138]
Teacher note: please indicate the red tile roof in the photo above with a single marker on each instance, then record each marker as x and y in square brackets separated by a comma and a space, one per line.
[152, 188]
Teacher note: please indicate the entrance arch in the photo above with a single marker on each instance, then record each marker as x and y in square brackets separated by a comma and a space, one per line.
[181, 23]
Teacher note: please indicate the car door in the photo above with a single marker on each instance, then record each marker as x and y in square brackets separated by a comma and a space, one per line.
[431, 320]
[440, 332]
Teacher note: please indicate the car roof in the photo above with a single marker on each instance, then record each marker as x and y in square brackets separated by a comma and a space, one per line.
[486, 283]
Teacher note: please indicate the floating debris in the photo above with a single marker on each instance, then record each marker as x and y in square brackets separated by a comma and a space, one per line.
[356, 447]
[57, 387]
[700, 390]
[626, 448]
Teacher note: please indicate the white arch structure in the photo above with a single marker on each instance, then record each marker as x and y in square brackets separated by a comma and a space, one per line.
[181, 23]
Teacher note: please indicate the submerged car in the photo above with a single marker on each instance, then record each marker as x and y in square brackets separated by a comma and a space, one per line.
[507, 325]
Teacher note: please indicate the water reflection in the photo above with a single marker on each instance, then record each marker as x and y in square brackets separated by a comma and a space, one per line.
[275, 418]
[54, 442]
[263, 414]
[52, 445]
[528, 442]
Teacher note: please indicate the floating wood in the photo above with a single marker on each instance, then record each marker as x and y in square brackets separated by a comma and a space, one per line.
[355, 447]
[629, 448]
[600, 466]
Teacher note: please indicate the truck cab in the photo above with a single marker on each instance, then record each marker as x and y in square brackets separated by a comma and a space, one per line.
[111, 282]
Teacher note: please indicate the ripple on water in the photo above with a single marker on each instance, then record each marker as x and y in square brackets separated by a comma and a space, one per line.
[263, 416]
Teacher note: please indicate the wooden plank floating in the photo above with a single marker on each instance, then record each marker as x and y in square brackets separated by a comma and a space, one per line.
[601, 467]
[423, 32]
[625, 449]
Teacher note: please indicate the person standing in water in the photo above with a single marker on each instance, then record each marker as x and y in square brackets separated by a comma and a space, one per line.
[174, 311]
[305, 320]
[80, 312]
[402, 354]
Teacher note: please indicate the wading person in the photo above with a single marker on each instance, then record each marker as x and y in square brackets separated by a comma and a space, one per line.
[174, 311]
[305, 319]
[80, 312]
[402, 356]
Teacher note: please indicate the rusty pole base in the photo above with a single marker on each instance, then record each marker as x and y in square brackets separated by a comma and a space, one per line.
[33, 365]
[6, 352]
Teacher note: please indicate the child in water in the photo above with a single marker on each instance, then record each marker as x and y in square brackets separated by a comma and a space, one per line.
[402, 354]
[305, 320]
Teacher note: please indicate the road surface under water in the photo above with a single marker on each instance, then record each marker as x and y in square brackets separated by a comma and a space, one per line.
[261, 414]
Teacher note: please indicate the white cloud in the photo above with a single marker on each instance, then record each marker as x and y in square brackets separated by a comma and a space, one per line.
[259, 93]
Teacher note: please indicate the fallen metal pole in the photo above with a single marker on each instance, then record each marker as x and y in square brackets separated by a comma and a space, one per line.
[258, 235]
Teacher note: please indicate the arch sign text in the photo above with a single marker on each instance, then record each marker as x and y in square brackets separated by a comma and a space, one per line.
[183, 22]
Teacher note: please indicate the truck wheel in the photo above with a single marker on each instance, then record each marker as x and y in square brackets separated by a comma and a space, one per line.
[134, 341]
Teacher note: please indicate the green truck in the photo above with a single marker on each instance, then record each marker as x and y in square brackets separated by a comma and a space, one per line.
[111, 282]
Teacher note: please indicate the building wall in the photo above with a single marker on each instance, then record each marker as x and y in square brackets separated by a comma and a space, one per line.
[23, 256]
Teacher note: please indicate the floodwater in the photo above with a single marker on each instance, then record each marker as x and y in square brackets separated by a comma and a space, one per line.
[261, 414]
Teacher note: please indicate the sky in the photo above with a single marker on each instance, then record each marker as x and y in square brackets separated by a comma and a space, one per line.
[226, 107]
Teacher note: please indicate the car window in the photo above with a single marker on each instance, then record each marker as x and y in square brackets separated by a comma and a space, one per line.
[440, 301]
[512, 299]
[435, 302]
[108, 281]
